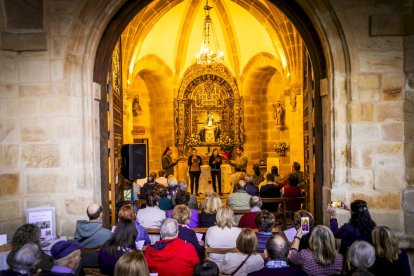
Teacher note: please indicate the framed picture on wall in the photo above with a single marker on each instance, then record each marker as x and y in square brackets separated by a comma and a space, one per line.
[43, 217]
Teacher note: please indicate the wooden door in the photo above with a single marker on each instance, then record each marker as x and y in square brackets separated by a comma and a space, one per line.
[115, 131]
[308, 130]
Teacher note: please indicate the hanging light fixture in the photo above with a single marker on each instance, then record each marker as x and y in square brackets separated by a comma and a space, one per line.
[210, 53]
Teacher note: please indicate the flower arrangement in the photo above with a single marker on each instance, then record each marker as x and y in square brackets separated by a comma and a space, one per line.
[281, 147]
[226, 142]
[193, 140]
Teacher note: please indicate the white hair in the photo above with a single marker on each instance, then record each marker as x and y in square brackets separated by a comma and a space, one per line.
[169, 229]
[172, 181]
[182, 185]
[361, 255]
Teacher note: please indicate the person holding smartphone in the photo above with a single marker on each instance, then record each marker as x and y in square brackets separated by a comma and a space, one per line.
[215, 162]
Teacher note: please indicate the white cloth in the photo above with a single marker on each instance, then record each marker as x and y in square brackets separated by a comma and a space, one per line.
[151, 217]
[221, 238]
[232, 260]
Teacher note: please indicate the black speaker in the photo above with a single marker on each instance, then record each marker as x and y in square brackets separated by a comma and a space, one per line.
[134, 161]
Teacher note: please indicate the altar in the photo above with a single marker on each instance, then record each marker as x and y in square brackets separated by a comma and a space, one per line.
[205, 176]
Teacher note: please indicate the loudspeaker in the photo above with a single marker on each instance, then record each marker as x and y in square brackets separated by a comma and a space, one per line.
[134, 161]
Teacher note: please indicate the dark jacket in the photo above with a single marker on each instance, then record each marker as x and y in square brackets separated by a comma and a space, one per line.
[215, 166]
[251, 189]
[347, 234]
[400, 267]
[269, 191]
[207, 220]
[189, 236]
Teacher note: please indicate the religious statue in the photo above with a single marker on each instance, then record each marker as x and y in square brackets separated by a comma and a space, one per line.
[210, 120]
[136, 107]
[279, 114]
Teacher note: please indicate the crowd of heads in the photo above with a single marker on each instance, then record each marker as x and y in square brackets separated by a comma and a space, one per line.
[361, 255]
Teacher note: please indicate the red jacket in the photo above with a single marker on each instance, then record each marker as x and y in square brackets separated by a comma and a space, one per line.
[292, 191]
[248, 220]
[171, 257]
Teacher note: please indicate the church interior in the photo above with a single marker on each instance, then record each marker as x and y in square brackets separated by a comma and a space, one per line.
[327, 84]
[255, 99]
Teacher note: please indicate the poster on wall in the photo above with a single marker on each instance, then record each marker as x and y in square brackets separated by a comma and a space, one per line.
[44, 218]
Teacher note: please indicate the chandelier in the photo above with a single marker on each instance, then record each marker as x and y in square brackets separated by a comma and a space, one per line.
[210, 53]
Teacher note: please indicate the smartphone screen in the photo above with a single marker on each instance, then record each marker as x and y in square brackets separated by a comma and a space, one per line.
[304, 224]
[338, 204]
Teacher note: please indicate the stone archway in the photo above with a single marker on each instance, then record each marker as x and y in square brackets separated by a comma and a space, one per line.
[313, 33]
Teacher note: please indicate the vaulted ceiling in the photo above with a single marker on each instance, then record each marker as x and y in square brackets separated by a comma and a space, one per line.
[172, 31]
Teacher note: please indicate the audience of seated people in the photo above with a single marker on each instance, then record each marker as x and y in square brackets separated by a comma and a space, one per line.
[390, 260]
[182, 214]
[360, 225]
[127, 212]
[265, 221]
[171, 256]
[247, 259]
[182, 186]
[321, 258]
[223, 235]
[121, 242]
[208, 215]
[183, 197]
[277, 250]
[132, 263]
[361, 256]
[179, 252]
[270, 190]
[25, 234]
[151, 216]
[165, 202]
[148, 186]
[250, 188]
[304, 241]
[249, 220]
[67, 257]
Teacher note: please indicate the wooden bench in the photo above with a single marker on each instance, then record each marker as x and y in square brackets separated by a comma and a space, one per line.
[284, 201]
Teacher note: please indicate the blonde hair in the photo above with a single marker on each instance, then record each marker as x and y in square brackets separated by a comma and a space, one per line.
[132, 263]
[385, 243]
[246, 242]
[213, 204]
[182, 214]
[322, 244]
[225, 217]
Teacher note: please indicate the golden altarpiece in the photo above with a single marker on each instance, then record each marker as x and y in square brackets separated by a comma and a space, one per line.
[208, 105]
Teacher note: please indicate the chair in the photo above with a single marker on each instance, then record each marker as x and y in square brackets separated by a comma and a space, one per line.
[89, 258]
[218, 250]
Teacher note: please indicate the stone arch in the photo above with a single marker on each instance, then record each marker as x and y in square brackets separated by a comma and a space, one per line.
[263, 64]
[330, 59]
